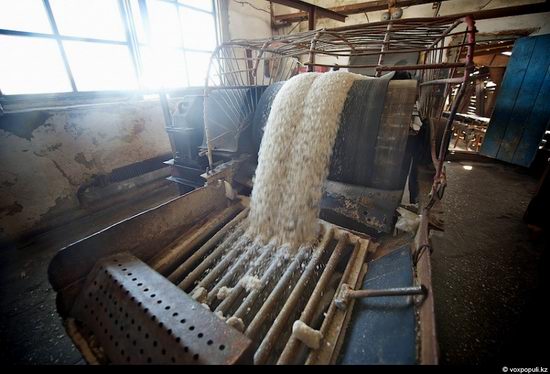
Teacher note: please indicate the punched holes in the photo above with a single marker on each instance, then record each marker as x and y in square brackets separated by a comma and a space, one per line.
[131, 340]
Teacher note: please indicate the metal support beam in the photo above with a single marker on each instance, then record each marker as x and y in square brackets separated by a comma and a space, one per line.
[307, 9]
[312, 18]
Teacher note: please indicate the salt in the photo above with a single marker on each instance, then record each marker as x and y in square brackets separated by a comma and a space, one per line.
[294, 157]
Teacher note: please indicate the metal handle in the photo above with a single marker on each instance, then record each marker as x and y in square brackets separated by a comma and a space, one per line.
[346, 293]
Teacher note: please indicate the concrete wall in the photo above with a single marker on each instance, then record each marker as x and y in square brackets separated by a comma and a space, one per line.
[447, 7]
[47, 154]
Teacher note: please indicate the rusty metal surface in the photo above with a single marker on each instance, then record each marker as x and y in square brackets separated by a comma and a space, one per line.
[289, 287]
[302, 291]
[141, 235]
[262, 354]
[312, 305]
[360, 208]
[347, 293]
[429, 349]
[335, 324]
[167, 260]
[187, 266]
[139, 317]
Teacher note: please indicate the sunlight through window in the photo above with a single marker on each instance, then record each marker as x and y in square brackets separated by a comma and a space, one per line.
[97, 67]
[31, 66]
[24, 15]
[99, 19]
[104, 45]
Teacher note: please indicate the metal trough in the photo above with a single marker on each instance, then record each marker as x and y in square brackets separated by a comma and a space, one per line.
[165, 286]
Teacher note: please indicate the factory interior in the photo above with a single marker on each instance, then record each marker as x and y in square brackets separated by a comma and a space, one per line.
[275, 182]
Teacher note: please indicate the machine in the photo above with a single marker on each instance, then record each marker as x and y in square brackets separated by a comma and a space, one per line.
[146, 290]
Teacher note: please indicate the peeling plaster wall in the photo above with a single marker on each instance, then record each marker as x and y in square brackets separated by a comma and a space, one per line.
[247, 22]
[46, 155]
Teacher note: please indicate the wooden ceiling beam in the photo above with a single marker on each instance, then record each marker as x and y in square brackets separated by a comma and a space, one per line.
[369, 6]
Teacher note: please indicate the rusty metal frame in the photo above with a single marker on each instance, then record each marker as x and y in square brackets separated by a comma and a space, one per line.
[236, 63]
[141, 235]
[424, 35]
[219, 263]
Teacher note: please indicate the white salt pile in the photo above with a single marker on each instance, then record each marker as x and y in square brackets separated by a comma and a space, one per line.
[223, 292]
[251, 282]
[294, 157]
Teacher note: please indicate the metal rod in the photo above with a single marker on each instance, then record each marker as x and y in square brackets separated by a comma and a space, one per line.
[238, 288]
[311, 53]
[230, 299]
[267, 345]
[236, 269]
[348, 52]
[384, 47]
[443, 81]
[334, 324]
[438, 182]
[208, 261]
[167, 260]
[269, 274]
[233, 252]
[291, 348]
[206, 247]
[399, 291]
[395, 68]
[277, 292]
[427, 334]
[445, 33]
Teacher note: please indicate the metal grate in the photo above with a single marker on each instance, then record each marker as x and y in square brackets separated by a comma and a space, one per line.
[136, 316]
[291, 288]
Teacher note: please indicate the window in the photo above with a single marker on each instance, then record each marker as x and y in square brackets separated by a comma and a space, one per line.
[63, 46]
[25, 70]
[173, 35]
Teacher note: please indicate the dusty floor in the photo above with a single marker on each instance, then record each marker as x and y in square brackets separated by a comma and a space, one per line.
[485, 277]
[486, 272]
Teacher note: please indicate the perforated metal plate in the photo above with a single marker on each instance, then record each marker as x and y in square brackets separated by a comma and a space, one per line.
[138, 317]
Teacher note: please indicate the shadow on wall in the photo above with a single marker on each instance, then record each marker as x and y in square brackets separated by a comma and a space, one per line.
[49, 154]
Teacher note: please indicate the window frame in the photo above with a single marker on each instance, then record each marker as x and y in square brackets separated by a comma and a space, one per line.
[131, 42]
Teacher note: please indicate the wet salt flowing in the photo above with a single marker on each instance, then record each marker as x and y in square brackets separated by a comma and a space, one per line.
[282, 226]
[294, 157]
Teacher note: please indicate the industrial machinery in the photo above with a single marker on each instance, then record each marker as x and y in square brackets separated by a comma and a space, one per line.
[146, 290]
